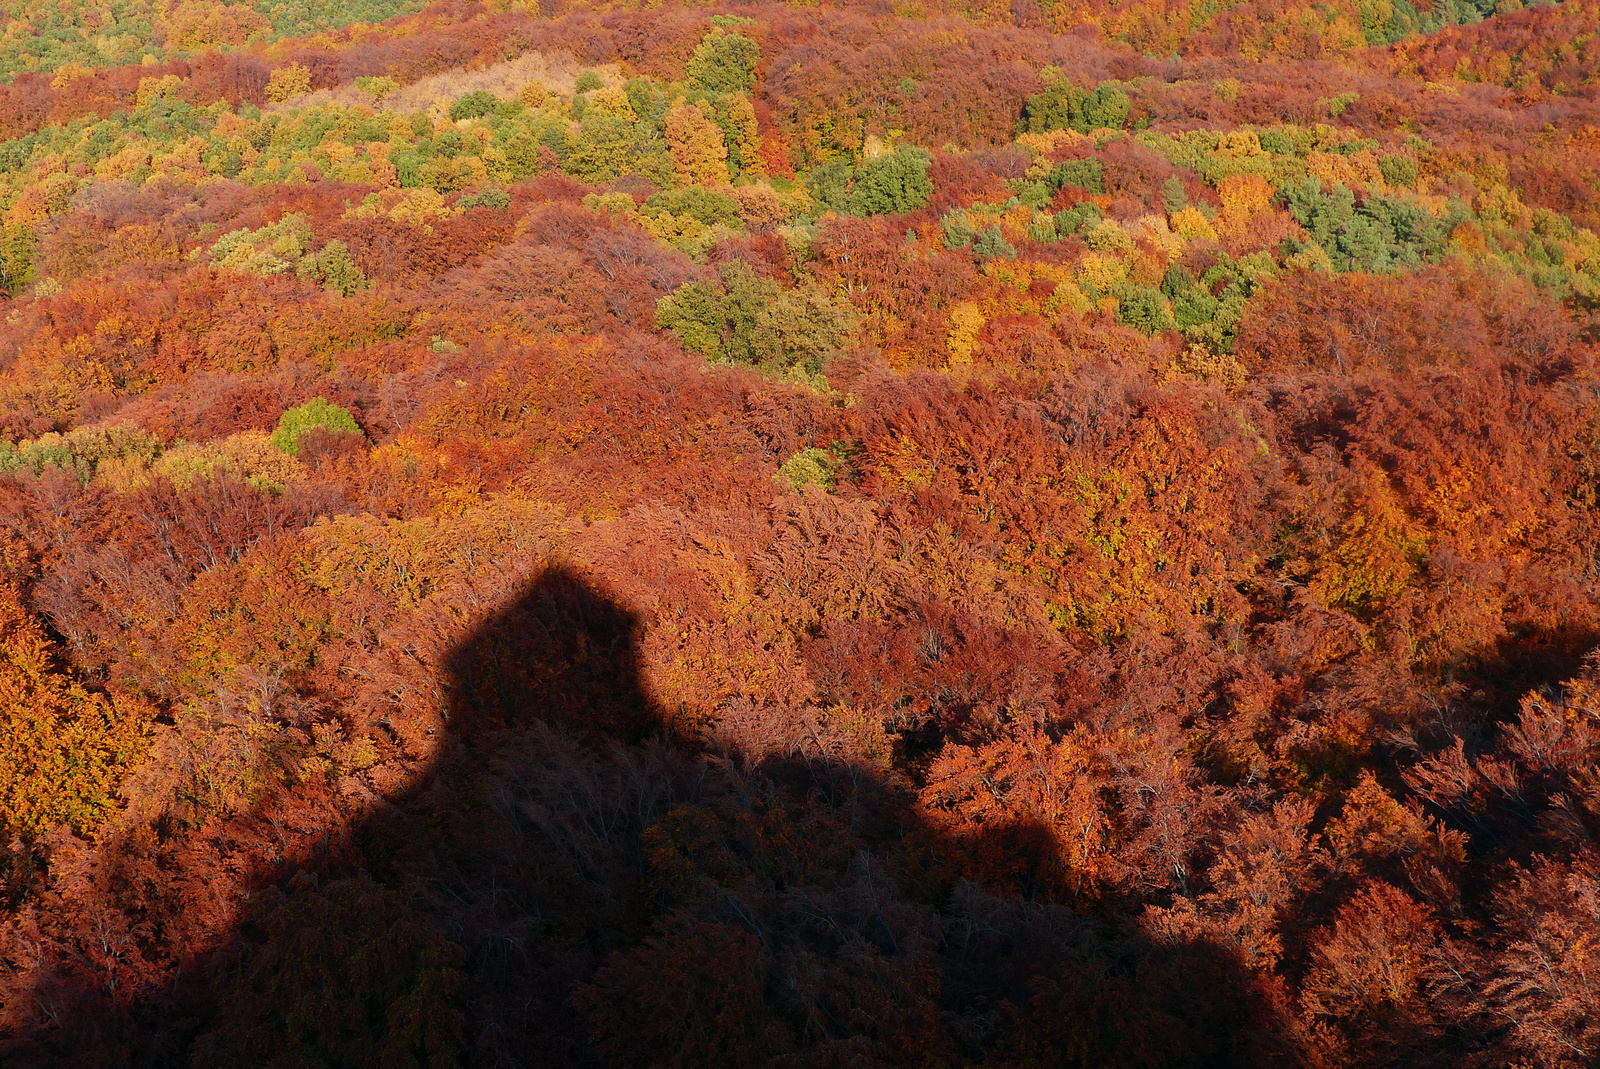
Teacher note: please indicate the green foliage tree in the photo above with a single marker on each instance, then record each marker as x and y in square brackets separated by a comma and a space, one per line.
[487, 197]
[81, 451]
[1086, 174]
[1192, 304]
[1145, 309]
[956, 229]
[1399, 169]
[1174, 198]
[991, 244]
[892, 184]
[16, 258]
[1106, 109]
[724, 62]
[811, 467]
[706, 205]
[1276, 142]
[554, 138]
[472, 105]
[802, 327]
[522, 154]
[315, 414]
[334, 268]
[602, 150]
[448, 145]
[274, 249]
[696, 313]
[743, 318]
[720, 319]
[1380, 233]
[1060, 105]
[829, 184]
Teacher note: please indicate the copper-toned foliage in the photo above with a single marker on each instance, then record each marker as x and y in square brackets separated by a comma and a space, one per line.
[763, 536]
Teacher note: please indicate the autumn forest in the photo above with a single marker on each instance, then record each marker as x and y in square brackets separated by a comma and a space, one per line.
[897, 533]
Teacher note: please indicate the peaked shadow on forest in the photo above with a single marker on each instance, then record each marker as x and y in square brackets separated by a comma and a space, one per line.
[576, 882]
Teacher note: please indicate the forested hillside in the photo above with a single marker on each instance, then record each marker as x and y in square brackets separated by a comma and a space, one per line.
[873, 534]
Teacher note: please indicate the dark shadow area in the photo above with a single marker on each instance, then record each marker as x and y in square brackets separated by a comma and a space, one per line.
[577, 883]
[1527, 660]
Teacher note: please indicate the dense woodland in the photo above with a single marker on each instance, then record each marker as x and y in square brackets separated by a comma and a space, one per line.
[880, 534]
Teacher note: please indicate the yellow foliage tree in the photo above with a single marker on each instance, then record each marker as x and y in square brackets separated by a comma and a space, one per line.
[63, 749]
[1243, 197]
[286, 82]
[151, 88]
[747, 136]
[248, 455]
[534, 95]
[612, 100]
[966, 322]
[1189, 224]
[699, 155]
[1375, 558]
[202, 23]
